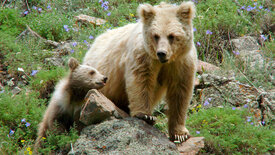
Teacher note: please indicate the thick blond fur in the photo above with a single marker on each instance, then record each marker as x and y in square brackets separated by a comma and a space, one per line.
[128, 55]
[68, 97]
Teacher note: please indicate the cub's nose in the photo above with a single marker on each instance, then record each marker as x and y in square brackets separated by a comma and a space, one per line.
[162, 56]
[105, 79]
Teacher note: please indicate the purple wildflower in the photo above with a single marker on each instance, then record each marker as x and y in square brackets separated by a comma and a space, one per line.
[263, 37]
[263, 122]
[27, 124]
[243, 7]
[233, 108]
[26, 12]
[34, 72]
[267, 10]
[91, 37]
[85, 41]
[194, 29]
[109, 14]
[39, 9]
[195, 1]
[74, 44]
[236, 53]
[198, 43]
[249, 8]
[34, 7]
[209, 32]
[106, 3]
[248, 119]
[11, 132]
[106, 7]
[23, 120]
[198, 132]
[251, 123]
[255, 3]
[260, 7]
[72, 51]
[245, 106]
[66, 28]
[49, 7]
[206, 103]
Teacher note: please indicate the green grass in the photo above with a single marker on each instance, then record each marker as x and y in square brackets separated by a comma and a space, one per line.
[226, 130]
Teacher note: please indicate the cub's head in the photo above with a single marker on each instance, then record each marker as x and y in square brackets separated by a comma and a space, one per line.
[85, 77]
[167, 29]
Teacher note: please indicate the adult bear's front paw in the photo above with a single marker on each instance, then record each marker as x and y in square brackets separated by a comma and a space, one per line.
[147, 118]
[180, 136]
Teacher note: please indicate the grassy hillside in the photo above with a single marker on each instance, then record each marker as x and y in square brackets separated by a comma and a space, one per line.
[23, 67]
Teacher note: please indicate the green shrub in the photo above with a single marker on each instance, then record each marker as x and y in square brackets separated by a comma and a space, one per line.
[45, 81]
[10, 21]
[20, 115]
[51, 25]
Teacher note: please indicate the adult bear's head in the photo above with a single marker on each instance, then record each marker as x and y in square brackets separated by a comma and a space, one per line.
[167, 29]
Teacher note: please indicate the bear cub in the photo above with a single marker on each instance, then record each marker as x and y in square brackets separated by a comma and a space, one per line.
[68, 97]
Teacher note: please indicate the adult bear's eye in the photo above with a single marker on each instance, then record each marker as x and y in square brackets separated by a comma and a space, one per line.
[171, 38]
[156, 37]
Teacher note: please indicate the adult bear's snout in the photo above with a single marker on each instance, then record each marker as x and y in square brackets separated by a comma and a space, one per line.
[162, 56]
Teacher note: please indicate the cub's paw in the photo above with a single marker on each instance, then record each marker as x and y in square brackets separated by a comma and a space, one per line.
[147, 118]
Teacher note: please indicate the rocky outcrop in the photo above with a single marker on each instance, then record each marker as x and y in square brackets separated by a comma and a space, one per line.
[247, 49]
[99, 108]
[217, 91]
[124, 136]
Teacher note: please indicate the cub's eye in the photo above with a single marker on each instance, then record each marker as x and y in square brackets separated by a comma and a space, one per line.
[156, 37]
[92, 72]
[171, 38]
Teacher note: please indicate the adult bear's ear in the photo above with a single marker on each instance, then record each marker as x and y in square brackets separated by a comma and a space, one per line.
[146, 13]
[73, 63]
[186, 11]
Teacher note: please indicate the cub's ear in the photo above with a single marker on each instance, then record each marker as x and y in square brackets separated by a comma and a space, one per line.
[146, 13]
[73, 63]
[186, 11]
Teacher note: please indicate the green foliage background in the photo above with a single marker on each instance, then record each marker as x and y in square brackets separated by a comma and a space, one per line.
[226, 130]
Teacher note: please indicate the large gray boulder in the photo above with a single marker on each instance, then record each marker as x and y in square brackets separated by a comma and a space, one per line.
[123, 136]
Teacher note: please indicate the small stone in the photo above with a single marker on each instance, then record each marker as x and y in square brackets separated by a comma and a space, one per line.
[16, 90]
[56, 61]
[205, 66]
[88, 19]
[192, 146]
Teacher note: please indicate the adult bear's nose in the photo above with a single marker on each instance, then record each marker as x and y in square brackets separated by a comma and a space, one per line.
[162, 56]
[105, 79]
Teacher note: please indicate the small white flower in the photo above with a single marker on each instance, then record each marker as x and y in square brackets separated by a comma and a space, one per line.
[20, 69]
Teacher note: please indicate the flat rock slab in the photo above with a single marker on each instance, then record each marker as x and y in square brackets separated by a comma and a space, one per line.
[205, 66]
[192, 146]
[88, 19]
[99, 108]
